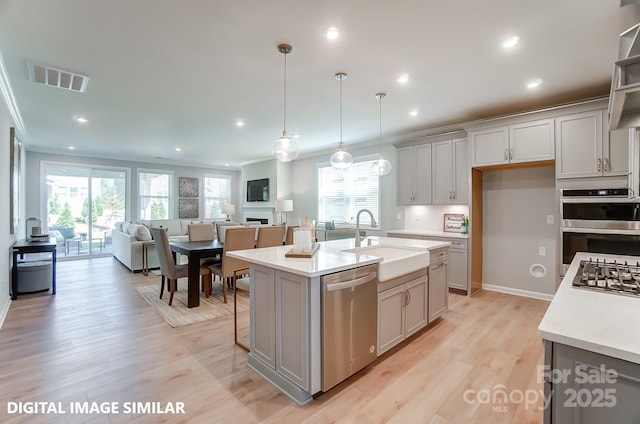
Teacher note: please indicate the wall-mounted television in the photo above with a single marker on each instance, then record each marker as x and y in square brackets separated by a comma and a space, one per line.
[258, 190]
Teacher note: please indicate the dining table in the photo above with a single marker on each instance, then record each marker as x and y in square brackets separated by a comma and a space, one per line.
[195, 251]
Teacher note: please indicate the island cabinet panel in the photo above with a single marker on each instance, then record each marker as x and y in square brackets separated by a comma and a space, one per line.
[438, 290]
[588, 387]
[402, 311]
[263, 304]
[292, 327]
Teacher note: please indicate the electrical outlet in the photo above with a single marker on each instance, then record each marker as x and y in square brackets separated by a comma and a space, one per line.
[550, 219]
[398, 216]
[542, 251]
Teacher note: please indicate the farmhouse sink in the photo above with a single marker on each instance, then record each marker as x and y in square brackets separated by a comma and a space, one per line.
[396, 261]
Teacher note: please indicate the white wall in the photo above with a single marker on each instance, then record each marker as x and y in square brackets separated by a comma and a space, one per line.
[6, 239]
[515, 207]
[35, 197]
[430, 217]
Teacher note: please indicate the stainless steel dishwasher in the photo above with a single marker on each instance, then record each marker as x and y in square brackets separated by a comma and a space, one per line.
[349, 323]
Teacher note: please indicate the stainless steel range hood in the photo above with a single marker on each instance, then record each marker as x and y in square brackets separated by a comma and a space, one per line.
[624, 100]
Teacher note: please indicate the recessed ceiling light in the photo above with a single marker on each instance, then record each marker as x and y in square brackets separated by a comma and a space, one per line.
[178, 149]
[226, 164]
[71, 148]
[332, 33]
[403, 78]
[239, 123]
[510, 42]
[81, 120]
[413, 113]
[534, 83]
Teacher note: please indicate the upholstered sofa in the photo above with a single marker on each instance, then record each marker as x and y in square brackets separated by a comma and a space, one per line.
[128, 239]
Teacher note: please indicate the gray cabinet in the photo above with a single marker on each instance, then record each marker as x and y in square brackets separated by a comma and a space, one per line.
[438, 288]
[414, 175]
[450, 171]
[589, 388]
[522, 142]
[402, 311]
[585, 148]
[263, 315]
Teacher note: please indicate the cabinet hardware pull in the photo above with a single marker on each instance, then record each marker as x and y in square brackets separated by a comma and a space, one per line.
[510, 154]
[505, 154]
[453, 194]
[606, 165]
[599, 164]
[408, 297]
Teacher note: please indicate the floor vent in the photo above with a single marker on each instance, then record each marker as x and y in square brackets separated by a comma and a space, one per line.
[57, 78]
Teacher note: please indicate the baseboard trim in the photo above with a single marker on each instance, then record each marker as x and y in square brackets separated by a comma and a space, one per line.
[4, 312]
[518, 292]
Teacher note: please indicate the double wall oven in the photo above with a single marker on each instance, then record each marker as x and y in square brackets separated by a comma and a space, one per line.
[599, 221]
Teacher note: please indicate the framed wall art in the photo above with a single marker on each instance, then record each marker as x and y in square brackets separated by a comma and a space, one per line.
[14, 181]
[188, 208]
[188, 187]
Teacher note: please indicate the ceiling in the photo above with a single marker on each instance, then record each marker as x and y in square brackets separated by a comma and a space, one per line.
[166, 73]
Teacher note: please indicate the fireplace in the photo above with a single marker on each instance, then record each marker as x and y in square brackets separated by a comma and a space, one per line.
[260, 220]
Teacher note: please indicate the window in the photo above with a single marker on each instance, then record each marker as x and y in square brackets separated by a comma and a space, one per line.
[154, 191]
[342, 193]
[217, 192]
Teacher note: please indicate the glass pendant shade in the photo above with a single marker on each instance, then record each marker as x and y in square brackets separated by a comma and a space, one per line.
[341, 159]
[285, 149]
[381, 166]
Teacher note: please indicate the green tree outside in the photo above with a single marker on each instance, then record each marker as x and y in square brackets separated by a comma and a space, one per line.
[158, 211]
[97, 210]
[54, 208]
[65, 220]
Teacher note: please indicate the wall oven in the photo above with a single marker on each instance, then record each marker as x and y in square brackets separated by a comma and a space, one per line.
[599, 221]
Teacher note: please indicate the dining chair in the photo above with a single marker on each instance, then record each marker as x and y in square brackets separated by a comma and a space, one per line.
[270, 236]
[235, 239]
[201, 232]
[289, 238]
[168, 267]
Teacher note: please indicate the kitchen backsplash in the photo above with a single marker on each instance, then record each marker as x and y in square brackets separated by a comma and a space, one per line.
[430, 217]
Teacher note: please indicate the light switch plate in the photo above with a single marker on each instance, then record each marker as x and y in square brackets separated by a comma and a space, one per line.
[550, 219]
[542, 251]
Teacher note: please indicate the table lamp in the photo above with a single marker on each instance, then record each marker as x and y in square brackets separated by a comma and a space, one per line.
[284, 206]
[228, 210]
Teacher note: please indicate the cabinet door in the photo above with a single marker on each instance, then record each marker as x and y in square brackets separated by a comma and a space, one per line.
[406, 175]
[489, 146]
[615, 152]
[579, 145]
[423, 174]
[263, 339]
[292, 327]
[438, 291]
[531, 141]
[416, 305]
[442, 172]
[390, 318]
[460, 170]
[457, 271]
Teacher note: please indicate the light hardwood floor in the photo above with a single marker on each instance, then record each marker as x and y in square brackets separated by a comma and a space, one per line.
[98, 340]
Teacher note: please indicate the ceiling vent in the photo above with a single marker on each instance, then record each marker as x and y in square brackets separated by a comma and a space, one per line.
[57, 78]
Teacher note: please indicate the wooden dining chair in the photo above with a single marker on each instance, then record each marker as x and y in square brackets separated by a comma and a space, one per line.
[235, 239]
[270, 236]
[168, 267]
[289, 238]
[201, 232]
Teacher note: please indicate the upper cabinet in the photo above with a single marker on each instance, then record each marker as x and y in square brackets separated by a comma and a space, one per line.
[517, 143]
[414, 175]
[585, 148]
[450, 171]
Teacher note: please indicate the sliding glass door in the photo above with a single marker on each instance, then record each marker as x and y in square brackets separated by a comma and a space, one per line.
[83, 205]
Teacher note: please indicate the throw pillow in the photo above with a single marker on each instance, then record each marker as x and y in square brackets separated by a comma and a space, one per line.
[142, 233]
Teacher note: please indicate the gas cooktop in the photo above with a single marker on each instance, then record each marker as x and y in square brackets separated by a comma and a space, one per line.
[610, 277]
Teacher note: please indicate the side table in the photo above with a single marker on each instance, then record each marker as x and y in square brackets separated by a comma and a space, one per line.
[20, 248]
[145, 256]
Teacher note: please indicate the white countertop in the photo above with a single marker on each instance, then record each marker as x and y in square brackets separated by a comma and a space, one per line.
[429, 233]
[596, 321]
[330, 257]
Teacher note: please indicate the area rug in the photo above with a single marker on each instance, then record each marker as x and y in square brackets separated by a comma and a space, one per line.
[178, 315]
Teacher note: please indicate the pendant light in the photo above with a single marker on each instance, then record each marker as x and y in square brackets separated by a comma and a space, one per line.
[285, 149]
[381, 166]
[341, 159]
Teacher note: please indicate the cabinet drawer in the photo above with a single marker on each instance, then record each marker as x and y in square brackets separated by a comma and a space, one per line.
[458, 244]
[438, 255]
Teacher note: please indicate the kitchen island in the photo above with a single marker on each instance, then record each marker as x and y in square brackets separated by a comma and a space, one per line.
[286, 320]
[592, 351]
